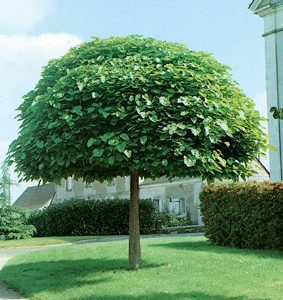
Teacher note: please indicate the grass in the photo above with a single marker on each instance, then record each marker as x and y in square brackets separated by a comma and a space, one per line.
[173, 268]
[41, 241]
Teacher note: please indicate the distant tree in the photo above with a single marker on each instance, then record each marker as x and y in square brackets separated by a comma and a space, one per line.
[135, 107]
[5, 185]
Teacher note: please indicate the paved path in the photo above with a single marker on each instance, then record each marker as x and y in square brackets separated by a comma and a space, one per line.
[7, 253]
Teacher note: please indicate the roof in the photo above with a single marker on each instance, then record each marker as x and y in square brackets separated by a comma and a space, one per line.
[165, 180]
[259, 3]
[263, 6]
[36, 197]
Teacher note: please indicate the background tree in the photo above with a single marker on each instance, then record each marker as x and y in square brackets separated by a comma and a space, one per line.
[135, 107]
[5, 185]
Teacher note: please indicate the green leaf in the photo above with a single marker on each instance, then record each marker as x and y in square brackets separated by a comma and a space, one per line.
[207, 130]
[97, 152]
[60, 162]
[183, 100]
[94, 94]
[124, 136]
[143, 114]
[184, 113]
[143, 139]
[40, 144]
[271, 147]
[153, 117]
[128, 153]
[81, 85]
[41, 166]
[103, 79]
[105, 114]
[189, 161]
[164, 162]
[113, 142]
[111, 160]
[121, 147]
[213, 139]
[195, 131]
[67, 117]
[107, 136]
[77, 110]
[164, 101]
[90, 109]
[223, 125]
[195, 153]
[90, 142]
[181, 125]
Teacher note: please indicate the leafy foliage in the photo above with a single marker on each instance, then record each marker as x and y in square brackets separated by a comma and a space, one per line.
[109, 107]
[5, 183]
[166, 219]
[91, 217]
[245, 215]
[13, 224]
[277, 112]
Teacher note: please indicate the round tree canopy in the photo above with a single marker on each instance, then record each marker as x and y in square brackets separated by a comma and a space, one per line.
[132, 104]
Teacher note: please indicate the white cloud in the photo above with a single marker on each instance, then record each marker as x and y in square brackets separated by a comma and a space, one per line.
[23, 15]
[21, 60]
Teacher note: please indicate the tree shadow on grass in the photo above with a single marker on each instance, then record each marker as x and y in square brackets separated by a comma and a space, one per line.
[205, 246]
[36, 277]
[171, 296]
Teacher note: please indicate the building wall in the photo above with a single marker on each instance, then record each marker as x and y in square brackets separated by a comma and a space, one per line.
[182, 194]
[163, 193]
[77, 189]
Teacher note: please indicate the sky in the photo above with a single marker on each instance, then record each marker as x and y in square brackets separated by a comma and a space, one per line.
[34, 31]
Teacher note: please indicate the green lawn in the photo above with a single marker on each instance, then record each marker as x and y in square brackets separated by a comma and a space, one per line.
[173, 268]
[41, 241]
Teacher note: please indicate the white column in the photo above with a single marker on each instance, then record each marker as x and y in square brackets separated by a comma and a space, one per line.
[197, 190]
[273, 34]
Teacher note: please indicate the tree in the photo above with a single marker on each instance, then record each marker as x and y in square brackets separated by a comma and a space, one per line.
[138, 107]
[5, 185]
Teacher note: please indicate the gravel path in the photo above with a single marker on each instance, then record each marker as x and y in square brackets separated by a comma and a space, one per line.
[7, 253]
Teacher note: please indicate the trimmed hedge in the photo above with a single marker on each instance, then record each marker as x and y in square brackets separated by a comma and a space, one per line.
[92, 217]
[244, 215]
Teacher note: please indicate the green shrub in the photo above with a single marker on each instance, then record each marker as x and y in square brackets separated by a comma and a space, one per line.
[166, 219]
[13, 224]
[244, 215]
[92, 217]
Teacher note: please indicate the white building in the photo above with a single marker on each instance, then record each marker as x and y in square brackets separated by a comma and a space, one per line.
[179, 196]
[272, 13]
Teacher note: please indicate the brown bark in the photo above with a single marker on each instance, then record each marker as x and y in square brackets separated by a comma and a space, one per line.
[134, 227]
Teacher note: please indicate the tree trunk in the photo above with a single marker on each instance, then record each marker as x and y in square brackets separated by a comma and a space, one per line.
[134, 227]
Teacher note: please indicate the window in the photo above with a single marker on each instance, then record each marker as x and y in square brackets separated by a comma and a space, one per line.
[88, 185]
[177, 205]
[156, 203]
[69, 184]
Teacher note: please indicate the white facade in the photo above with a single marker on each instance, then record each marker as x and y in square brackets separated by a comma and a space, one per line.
[272, 13]
[181, 196]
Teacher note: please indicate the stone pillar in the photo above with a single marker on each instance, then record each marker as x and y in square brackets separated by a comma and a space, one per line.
[274, 87]
[272, 13]
[197, 190]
